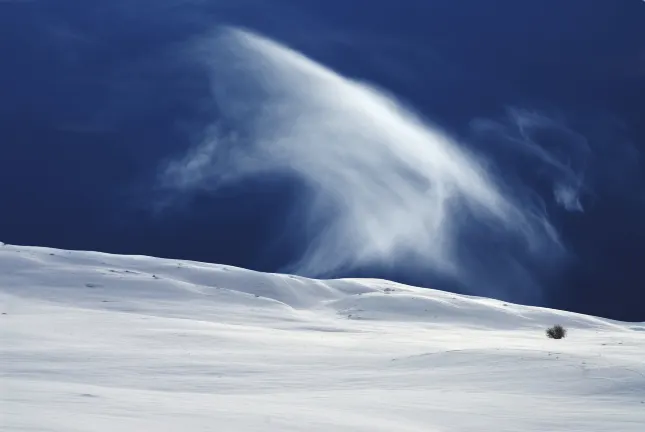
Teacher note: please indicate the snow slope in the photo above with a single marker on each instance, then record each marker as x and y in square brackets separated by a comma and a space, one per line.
[98, 342]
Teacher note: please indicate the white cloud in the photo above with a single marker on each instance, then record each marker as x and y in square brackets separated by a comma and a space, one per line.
[385, 184]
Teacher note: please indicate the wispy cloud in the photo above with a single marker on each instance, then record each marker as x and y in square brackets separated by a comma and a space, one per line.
[384, 184]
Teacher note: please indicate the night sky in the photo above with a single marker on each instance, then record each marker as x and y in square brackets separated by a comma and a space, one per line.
[95, 97]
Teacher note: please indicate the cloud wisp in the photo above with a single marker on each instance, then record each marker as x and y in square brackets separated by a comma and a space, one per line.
[383, 184]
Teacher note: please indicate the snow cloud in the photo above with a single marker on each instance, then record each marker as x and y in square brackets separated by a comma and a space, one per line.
[384, 184]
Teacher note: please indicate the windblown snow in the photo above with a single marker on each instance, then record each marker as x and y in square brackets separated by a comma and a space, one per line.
[98, 342]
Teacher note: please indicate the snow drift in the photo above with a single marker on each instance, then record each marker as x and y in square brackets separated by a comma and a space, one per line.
[100, 342]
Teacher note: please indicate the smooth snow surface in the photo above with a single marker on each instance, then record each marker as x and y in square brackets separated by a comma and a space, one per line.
[97, 342]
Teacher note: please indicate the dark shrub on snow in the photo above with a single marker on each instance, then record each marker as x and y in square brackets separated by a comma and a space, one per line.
[556, 332]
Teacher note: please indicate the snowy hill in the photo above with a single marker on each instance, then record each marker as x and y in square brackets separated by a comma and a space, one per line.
[98, 342]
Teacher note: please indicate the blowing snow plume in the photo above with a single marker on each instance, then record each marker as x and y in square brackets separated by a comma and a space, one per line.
[383, 185]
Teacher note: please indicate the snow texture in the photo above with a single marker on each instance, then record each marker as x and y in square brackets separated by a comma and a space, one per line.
[103, 343]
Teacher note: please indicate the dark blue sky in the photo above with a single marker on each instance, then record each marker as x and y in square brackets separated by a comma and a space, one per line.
[95, 96]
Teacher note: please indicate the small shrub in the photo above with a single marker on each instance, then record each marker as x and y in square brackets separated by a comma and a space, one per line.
[556, 332]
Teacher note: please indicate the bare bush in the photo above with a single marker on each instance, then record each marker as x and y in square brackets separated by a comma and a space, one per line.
[556, 332]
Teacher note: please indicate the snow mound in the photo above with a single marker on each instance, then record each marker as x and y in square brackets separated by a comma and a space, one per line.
[100, 342]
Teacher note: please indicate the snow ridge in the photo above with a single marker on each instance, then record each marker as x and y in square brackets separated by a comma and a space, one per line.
[92, 341]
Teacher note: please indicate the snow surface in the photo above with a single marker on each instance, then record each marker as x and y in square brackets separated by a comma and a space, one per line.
[98, 342]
